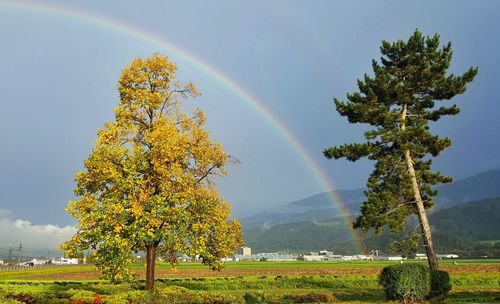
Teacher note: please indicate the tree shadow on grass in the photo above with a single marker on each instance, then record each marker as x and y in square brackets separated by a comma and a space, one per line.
[475, 296]
[374, 295]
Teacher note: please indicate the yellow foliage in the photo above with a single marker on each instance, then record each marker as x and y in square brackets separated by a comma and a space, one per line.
[149, 178]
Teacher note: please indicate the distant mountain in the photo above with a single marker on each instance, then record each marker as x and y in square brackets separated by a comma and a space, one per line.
[477, 221]
[350, 198]
[314, 208]
[299, 236]
[320, 207]
[471, 229]
[477, 187]
[264, 220]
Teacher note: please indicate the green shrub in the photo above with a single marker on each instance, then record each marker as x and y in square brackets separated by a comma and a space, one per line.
[406, 282]
[440, 284]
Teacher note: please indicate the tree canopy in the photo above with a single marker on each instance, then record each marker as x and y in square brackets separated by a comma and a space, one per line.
[398, 103]
[148, 184]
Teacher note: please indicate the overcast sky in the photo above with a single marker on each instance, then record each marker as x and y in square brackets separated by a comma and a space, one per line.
[59, 72]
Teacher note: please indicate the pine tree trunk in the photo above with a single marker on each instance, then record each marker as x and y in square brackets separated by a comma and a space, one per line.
[422, 215]
[150, 267]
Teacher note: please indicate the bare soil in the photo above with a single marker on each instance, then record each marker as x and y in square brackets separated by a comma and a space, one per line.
[231, 272]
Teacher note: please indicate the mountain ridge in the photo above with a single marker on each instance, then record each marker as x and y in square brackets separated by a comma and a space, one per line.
[319, 206]
[470, 229]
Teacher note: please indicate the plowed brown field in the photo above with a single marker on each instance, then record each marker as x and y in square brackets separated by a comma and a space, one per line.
[248, 271]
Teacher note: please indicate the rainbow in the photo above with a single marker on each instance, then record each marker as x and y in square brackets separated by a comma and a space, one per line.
[250, 100]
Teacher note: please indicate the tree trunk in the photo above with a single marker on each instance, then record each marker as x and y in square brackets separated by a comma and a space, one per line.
[422, 215]
[150, 267]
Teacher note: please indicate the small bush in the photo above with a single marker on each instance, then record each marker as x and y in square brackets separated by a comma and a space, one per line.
[406, 282]
[440, 284]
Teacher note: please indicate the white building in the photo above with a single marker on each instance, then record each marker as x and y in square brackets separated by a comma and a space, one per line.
[348, 258]
[35, 262]
[247, 251]
[314, 257]
[275, 256]
[420, 256]
[364, 257]
[392, 258]
[447, 256]
[228, 259]
[334, 257]
[65, 261]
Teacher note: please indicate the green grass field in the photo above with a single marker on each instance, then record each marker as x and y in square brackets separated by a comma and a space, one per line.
[474, 281]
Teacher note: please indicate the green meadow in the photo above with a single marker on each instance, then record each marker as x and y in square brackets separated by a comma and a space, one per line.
[473, 281]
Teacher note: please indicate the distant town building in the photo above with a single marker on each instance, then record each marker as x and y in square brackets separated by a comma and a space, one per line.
[246, 251]
[34, 262]
[447, 256]
[274, 257]
[325, 255]
[391, 258]
[314, 257]
[420, 256]
[64, 261]
[364, 257]
[348, 258]
[1, 262]
[334, 257]
[228, 259]
[245, 254]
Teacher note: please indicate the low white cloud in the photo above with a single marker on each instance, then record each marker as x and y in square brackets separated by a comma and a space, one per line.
[5, 213]
[40, 237]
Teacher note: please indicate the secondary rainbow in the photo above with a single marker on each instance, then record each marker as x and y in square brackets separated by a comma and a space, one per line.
[250, 100]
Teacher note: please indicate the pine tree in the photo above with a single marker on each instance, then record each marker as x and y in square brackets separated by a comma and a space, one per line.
[148, 183]
[398, 103]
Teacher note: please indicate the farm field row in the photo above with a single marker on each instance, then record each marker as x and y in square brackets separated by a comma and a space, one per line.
[268, 282]
[89, 272]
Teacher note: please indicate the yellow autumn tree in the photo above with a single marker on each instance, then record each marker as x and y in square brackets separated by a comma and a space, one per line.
[148, 183]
